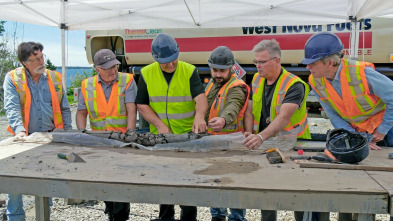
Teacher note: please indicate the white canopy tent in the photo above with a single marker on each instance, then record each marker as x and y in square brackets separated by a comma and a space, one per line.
[140, 14]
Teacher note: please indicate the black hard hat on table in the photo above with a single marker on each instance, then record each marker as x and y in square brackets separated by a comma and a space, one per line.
[221, 58]
[347, 146]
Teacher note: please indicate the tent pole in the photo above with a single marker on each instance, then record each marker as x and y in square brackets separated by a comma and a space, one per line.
[63, 64]
[354, 46]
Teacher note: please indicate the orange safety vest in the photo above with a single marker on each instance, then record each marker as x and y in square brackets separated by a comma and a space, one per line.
[103, 115]
[218, 106]
[19, 77]
[363, 110]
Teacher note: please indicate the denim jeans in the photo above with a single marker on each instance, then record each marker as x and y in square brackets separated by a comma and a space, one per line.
[15, 211]
[236, 214]
[389, 138]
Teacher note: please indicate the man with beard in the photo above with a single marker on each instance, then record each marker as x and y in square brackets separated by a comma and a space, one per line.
[227, 98]
[277, 104]
[34, 101]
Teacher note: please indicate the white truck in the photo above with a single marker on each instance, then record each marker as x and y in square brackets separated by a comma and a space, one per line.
[133, 46]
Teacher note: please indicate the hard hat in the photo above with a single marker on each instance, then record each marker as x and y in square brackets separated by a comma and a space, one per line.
[164, 48]
[221, 58]
[348, 147]
[321, 45]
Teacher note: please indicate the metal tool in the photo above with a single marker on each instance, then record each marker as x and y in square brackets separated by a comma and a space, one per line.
[72, 157]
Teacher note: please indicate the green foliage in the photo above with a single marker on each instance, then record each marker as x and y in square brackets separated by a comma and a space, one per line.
[49, 65]
[77, 82]
[8, 60]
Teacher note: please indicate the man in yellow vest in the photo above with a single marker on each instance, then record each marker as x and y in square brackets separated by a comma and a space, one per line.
[171, 98]
[34, 101]
[354, 95]
[109, 100]
[277, 104]
[227, 98]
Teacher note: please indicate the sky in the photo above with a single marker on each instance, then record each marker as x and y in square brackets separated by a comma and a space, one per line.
[50, 38]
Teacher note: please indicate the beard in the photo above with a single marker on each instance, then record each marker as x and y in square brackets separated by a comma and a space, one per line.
[40, 69]
[220, 80]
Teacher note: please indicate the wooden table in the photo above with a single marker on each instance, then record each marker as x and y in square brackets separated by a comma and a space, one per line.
[232, 179]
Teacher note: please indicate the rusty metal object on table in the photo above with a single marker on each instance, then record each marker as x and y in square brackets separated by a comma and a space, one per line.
[72, 157]
[275, 156]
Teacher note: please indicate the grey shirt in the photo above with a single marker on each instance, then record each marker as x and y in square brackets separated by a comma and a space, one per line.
[130, 93]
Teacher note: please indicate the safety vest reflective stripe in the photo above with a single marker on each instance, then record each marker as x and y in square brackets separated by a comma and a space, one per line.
[172, 102]
[216, 110]
[18, 77]
[103, 115]
[364, 111]
[176, 116]
[170, 99]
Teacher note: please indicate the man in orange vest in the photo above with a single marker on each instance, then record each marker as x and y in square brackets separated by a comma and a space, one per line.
[34, 101]
[277, 103]
[109, 99]
[353, 94]
[227, 97]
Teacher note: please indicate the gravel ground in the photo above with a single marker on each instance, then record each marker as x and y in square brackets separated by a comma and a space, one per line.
[94, 210]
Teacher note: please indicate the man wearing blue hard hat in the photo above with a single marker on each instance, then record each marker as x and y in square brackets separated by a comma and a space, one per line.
[353, 94]
[171, 98]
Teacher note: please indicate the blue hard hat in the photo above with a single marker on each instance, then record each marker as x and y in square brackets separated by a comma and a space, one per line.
[321, 45]
[164, 48]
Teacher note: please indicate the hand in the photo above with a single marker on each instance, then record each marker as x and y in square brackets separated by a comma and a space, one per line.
[377, 136]
[21, 134]
[246, 134]
[163, 129]
[199, 125]
[217, 123]
[373, 146]
[252, 141]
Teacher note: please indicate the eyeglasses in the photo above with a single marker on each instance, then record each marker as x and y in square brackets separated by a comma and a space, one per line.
[114, 67]
[262, 62]
[43, 57]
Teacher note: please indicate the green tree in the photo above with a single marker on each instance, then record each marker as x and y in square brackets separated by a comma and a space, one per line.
[8, 60]
[49, 65]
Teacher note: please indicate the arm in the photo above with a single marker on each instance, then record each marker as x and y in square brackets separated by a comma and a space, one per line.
[199, 124]
[235, 100]
[80, 118]
[130, 97]
[150, 116]
[131, 115]
[12, 107]
[287, 110]
[65, 111]
[248, 119]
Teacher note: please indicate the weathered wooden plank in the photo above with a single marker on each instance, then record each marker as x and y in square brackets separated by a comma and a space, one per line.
[344, 166]
[210, 197]
[42, 208]
[235, 179]
[385, 179]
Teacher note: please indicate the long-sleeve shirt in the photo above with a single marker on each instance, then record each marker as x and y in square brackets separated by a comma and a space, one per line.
[235, 99]
[41, 112]
[379, 85]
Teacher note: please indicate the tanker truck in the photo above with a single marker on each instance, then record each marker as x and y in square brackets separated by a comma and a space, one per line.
[133, 46]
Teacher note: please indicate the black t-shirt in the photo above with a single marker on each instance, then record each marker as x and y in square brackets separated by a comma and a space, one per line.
[295, 95]
[196, 87]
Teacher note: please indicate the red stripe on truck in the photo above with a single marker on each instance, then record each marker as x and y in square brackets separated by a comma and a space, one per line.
[241, 43]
